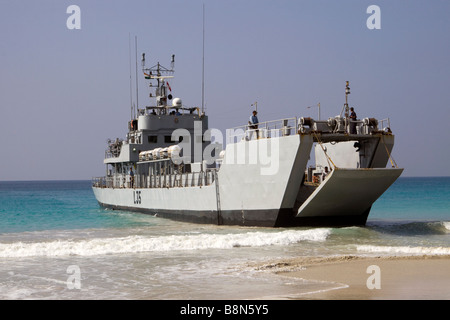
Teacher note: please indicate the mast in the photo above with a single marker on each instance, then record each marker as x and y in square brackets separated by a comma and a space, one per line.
[345, 107]
[137, 84]
[131, 82]
[347, 92]
[203, 63]
[159, 73]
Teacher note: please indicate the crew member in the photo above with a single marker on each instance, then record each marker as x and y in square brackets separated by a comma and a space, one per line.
[253, 123]
[131, 178]
[352, 121]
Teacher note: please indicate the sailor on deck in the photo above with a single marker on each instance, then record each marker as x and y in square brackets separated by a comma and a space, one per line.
[131, 178]
[253, 123]
[352, 119]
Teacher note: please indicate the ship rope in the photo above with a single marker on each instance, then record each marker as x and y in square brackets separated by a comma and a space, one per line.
[324, 151]
[391, 159]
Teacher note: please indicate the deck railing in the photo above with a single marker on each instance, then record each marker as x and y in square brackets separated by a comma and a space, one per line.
[173, 180]
[268, 129]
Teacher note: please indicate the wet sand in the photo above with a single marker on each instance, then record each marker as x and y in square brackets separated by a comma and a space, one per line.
[348, 277]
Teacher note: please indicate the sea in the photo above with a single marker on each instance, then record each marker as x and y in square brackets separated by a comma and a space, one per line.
[57, 243]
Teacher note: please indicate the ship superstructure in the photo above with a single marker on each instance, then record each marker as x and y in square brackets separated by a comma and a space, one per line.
[167, 166]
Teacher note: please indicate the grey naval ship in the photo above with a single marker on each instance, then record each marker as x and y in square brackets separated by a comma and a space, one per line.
[282, 173]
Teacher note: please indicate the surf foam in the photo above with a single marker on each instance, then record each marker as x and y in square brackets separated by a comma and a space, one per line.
[446, 225]
[136, 244]
[405, 250]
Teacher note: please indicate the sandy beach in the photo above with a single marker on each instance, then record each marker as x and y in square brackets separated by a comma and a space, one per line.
[352, 277]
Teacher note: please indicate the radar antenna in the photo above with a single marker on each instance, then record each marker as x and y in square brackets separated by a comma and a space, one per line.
[159, 74]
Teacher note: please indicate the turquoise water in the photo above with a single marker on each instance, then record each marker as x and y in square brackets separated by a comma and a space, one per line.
[51, 205]
[48, 226]
[55, 205]
[420, 199]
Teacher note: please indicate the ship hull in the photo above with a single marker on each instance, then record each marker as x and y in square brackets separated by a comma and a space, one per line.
[262, 218]
[344, 205]
[246, 195]
[255, 218]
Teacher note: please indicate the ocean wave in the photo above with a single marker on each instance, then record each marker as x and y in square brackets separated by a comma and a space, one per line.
[446, 225]
[413, 228]
[137, 244]
[405, 250]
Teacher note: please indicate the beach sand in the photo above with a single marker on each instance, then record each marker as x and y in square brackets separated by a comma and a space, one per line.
[348, 277]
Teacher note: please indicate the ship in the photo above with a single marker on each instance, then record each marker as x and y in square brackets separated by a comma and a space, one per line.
[291, 172]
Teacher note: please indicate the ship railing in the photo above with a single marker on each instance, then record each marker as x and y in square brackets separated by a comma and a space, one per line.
[114, 148]
[385, 124]
[109, 154]
[268, 129]
[176, 179]
[101, 182]
[369, 126]
[114, 181]
[165, 110]
[98, 182]
[341, 125]
[172, 180]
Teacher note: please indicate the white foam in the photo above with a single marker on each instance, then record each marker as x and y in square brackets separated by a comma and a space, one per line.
[405, 250]
[446, 225]
[135, 243]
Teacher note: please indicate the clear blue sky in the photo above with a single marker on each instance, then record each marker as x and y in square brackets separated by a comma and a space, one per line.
[64, 92]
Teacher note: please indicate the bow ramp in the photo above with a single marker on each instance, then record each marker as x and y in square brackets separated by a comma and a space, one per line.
[348, 192]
